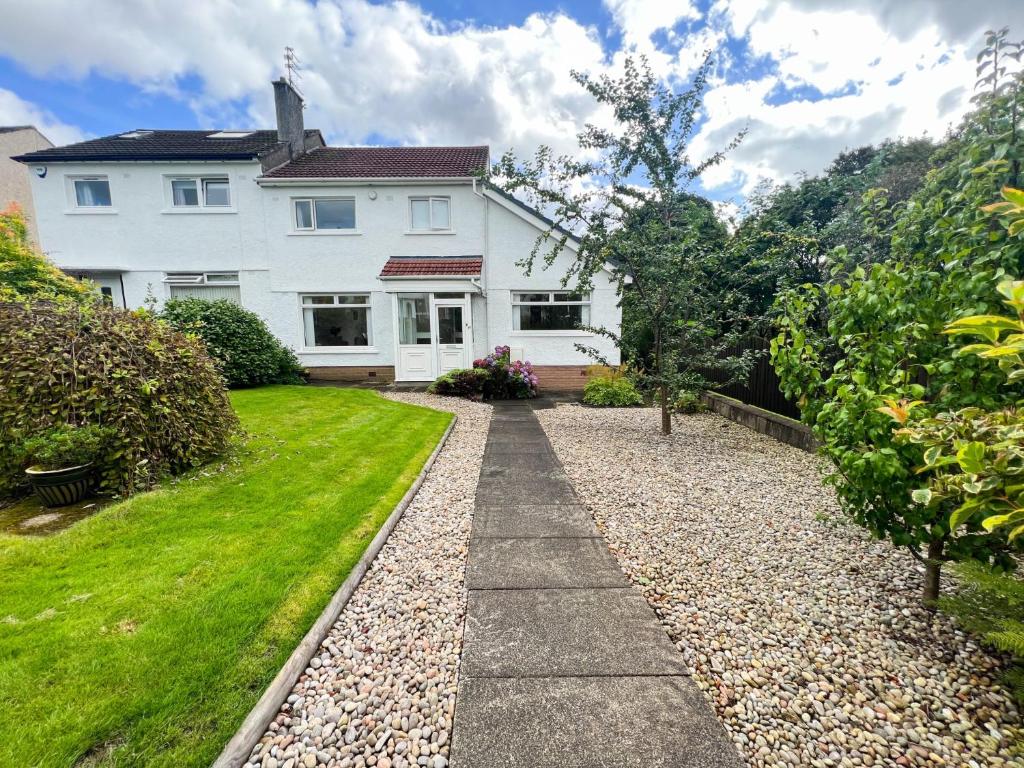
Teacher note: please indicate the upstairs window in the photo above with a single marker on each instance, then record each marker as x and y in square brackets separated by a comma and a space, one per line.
[92, 192]
[430, 214]
[325, 213]
[550, 311]
[200, 192]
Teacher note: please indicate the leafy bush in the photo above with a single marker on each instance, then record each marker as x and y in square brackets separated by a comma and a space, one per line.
[157, 390]
[251, 355]
[872, 341]
[65, 446]
[507, 380]
[688, 401]
[465, 382]
[611, 392]
[25, 273]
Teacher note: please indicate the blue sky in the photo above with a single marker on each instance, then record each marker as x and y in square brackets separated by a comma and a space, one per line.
[809, 78]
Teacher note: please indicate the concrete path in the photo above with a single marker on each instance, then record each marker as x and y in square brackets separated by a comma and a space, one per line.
[564, 663]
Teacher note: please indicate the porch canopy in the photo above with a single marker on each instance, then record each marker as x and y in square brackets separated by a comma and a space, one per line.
[432, 273]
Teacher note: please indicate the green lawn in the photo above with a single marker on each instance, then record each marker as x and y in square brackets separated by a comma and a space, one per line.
[144, 634]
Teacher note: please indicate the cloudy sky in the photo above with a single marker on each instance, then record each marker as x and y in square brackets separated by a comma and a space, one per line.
[809, 77]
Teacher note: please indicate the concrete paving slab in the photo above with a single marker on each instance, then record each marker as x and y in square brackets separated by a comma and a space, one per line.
[541, 564]
[565, 632]
[497, 462]
[533, 521]
[537, 491]
[525, 469]
[587, 722]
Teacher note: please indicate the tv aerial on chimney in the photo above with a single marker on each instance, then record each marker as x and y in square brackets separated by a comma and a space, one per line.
[293, 66]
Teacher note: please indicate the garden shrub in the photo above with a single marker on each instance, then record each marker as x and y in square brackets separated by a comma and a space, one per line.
[687, 401]
[249, 353]
[493, 377]
[156, 390]
[464, 382]
[507, 380]
[25, 273]
[611, 392]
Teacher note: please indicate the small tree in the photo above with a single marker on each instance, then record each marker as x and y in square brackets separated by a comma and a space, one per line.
[25, 273]
[630, 209]
[883, 352]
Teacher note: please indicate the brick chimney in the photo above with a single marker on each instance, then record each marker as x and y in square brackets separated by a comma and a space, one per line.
[290, 128]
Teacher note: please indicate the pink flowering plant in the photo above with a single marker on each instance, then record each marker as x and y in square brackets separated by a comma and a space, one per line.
[495, 377]
[508, 380]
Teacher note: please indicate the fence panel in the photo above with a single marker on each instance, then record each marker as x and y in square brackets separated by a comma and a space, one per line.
[762, 388]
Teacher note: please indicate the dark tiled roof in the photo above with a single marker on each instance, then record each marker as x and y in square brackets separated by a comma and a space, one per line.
[163, 145]
[384, 162]
[432, 266]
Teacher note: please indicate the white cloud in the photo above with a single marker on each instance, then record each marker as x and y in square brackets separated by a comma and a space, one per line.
[16, 111]
[370, 69]
[882, 78]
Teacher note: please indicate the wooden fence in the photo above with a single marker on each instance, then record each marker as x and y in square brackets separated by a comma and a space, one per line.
[762, 386]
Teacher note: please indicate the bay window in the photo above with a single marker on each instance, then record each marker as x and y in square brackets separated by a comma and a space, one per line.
[336, 320]
[550, 311]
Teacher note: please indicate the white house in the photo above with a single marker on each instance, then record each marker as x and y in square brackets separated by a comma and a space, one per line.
[372, 263]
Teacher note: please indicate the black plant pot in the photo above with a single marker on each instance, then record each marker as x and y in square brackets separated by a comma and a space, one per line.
[60, 487]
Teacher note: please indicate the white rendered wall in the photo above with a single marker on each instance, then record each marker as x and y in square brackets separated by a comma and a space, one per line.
[257, 238]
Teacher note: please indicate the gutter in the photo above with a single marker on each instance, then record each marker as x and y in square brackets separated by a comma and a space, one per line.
[334, 181]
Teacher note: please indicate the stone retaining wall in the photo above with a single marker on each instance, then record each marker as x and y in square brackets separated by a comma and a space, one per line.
[780, 427]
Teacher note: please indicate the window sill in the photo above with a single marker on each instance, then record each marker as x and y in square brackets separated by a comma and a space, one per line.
[338, 351]
[327, 233]
[197, 209]
[97, 211]
[580, 334]
[430, 232]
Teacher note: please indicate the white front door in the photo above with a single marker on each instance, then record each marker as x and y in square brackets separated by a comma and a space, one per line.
[451, 335]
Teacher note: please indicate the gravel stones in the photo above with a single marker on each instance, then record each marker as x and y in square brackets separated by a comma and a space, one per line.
[806, 635]
[380, 691]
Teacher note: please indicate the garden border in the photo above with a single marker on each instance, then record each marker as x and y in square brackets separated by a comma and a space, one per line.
[774, 425]
[238, 749]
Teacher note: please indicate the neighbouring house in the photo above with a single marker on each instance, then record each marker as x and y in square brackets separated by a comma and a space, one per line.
[372, 263]
[14, 181]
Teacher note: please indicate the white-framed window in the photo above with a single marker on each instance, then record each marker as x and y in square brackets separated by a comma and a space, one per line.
[313, 214]
[204, 285]
[430, 214]
[550, 311]
[200, 192]
[336, 320]
[90, 192]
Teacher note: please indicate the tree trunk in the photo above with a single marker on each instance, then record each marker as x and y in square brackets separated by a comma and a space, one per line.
[666, 417]
[932, 574]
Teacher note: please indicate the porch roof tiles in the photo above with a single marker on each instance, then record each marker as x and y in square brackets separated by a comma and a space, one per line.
[432, 266]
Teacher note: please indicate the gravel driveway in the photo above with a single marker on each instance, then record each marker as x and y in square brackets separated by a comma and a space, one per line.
[806, 634]
[381, 690]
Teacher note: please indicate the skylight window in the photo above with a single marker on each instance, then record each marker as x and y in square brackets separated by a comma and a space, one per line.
[134, 134]
[230, 134]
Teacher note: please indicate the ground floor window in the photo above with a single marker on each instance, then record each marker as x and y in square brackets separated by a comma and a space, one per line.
[337, 320]
[550, 311]
[204, 285]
